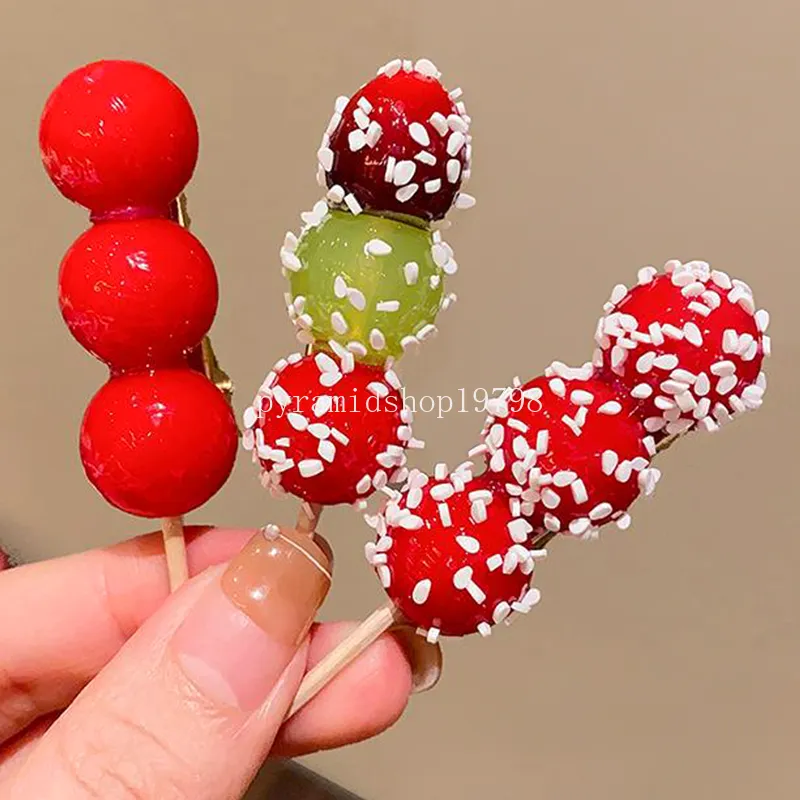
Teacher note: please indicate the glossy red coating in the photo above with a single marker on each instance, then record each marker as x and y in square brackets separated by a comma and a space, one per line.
[664, 303]
[117, 136]
[397, 102]
[139, 293]
[158, 444]
[433, 553]
[569, 451]
[357, 427]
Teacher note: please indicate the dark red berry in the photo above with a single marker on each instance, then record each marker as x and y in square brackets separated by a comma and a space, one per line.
[572, 453]
[138, 294]
[686, 346]
[158, 444]
[400, 144]
[451, 555]
[119, 136]
[329, 431]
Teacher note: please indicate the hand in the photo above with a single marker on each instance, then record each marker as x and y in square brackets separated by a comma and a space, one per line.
[111, 688]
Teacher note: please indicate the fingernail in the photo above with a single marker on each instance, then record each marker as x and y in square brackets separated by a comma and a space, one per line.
[241, 636]
[425, 658]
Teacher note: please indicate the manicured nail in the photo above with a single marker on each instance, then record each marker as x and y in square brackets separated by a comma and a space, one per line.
[241, 636]
[425, 658]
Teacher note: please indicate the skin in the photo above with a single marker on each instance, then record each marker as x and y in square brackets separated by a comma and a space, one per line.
[77, 676]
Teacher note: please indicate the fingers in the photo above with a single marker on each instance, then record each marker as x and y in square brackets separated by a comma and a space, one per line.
[63, 620]
[363, 700]
[192, 703]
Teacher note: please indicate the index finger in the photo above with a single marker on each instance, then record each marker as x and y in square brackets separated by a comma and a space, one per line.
[63, 620]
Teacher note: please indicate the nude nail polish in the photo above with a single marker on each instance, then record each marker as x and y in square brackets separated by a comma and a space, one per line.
[279, 580]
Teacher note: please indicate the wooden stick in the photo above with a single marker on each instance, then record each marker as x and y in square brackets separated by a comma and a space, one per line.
[308, 517]
[175, 549]
[376, 624]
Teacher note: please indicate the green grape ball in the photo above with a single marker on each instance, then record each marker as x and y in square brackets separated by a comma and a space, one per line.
[370, 284]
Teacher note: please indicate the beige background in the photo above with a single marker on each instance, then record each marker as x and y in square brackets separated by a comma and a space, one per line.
[663, 662]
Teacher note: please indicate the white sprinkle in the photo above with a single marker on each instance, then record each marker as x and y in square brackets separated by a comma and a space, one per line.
[762, 320]
[563, 478]
[572, 424]
[624, 470]
[290, 260]
[426, 67]
[484, 629]
[468, 543]
[646, 275]
[668, 361]
[464, 201]
[672, 332]
[600, 511]
[580, 397]
[338, 322]
[674, 387]
[421, 591]
[645, 363]
[352, 204]
[356, 140]
[462, 578]
[453, 170]
[722, 368]
[356, 298]
[439, 122]
[641, 391]
[542, 441]
[327, 450]
[335, 194]
[309, 467]
[519, 530]
[250, 417]
[579, 526]
[579, 493]
[297, 421]
[424, 157]
[552, 523]
[654, 424]
[376, 339]
[419, 134]
[431, 187]
[405, 193]
[699, 308]
[656, 336]
[325, 158]
[432, 635]
[610, 408]
[377, 247]
[726, 384]
[624, 522]
[609, 460]
[319, 430]
[501, 610]
[558, 387]
[411, 272]
[404, 172]
[341, 103]
[282, 396]
[456, 141]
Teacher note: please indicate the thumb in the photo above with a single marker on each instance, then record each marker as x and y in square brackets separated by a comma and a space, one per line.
[192, 703]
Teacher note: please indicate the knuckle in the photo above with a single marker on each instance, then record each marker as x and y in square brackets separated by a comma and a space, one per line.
[118, 758]
[18, 705]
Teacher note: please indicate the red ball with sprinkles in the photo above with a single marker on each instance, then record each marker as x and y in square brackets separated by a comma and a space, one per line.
[328, 429]
[400, 144]
[570, 450]
[451, 555]
[686, 346]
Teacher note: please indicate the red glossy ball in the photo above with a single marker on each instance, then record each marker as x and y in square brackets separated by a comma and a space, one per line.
[158, 444]
[118, 135]
[686, 346]
[400, 144]
[139, 293]
[328, 431]
[452, 556]
[571, 450]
